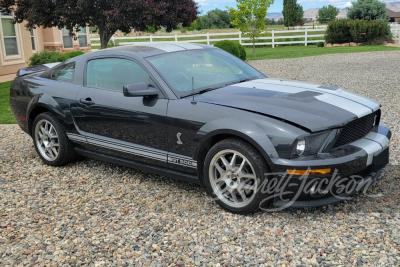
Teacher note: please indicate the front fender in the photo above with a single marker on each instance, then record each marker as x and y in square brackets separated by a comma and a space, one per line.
[246, 130]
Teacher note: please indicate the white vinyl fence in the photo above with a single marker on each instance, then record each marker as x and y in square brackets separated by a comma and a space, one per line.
[299, 36]
[277, 37]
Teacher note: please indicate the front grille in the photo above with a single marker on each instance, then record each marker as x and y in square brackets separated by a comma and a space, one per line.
[356, 129]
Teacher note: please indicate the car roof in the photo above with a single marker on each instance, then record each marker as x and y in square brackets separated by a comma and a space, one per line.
[146, 50]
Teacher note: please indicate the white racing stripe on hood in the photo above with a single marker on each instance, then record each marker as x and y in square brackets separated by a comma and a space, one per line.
[345, 104]
[358, 109]
[316, 88]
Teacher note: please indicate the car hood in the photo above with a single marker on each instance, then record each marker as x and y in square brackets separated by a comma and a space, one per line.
[311, 106]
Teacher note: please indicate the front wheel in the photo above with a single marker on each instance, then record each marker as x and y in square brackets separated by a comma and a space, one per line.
[234, 173]
[51, 141]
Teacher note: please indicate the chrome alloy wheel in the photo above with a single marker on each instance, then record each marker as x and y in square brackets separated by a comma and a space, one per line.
[232, 178]
[47, 140]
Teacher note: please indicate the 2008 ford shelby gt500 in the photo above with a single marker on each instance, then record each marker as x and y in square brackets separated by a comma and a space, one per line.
[199, 114]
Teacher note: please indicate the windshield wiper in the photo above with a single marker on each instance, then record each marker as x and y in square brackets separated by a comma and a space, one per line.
[214, 88]
[240, 81]
[202, 91]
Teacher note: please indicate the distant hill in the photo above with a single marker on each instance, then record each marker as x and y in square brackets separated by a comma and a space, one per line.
[311, 13]
[274, 15]
[342, 13]
[395, 6]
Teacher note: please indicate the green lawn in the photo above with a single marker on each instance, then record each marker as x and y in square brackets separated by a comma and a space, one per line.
[6, 117]
[306, 51]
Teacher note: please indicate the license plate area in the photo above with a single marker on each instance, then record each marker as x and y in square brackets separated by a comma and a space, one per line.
[380, 160]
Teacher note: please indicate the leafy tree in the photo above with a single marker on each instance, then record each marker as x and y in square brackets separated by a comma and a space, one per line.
[108, 16]
[249, 17]
[214, 19]
[327, 13]
[367, 10]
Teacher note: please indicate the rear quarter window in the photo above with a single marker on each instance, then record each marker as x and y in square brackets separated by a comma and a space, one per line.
[64, 73]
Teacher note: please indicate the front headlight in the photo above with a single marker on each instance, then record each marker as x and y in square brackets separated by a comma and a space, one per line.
[301, 146]
[309, 145]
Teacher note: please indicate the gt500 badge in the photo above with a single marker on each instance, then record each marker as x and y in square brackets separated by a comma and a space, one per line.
[184, 162]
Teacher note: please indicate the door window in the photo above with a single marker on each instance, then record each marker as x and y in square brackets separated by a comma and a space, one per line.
[114, 73]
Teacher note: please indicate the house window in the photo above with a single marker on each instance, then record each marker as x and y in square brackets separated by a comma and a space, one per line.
[67, 39]
[33, 40]
[82, 37]
[10, 36]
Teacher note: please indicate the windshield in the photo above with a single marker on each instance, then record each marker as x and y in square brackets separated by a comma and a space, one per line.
[210, 68]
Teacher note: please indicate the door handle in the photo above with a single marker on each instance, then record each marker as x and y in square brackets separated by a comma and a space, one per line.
[87, 101]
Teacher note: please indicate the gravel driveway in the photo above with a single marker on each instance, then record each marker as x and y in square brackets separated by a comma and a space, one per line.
[96, 213]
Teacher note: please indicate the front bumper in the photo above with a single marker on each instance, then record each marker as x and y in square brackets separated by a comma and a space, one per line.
[353, 169]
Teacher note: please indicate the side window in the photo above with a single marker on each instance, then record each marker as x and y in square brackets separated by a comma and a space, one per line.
[114, 73]
[64, 73]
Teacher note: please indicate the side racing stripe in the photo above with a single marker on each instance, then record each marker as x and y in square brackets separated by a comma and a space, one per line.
[136, 150]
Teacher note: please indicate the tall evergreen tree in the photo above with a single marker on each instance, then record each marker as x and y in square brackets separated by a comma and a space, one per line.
[289, 12]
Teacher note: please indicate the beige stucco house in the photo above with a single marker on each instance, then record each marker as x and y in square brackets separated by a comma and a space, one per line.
[17, 43]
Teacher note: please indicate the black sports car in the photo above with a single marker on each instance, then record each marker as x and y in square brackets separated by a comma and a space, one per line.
[199, 114]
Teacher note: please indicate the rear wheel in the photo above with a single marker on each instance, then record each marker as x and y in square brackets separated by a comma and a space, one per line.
[51, 141]
[234, 173]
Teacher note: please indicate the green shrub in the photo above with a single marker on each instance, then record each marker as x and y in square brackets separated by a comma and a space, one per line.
[232, 47]
[45, 57]
[228, 46]
[320, 44]
[242, 51]
[358, 31]
[74, 54]
[338, 32]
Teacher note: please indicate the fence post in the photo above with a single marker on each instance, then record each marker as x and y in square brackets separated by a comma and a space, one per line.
[305, 37]
[208, 38]
[176, 38]
[240, 37]
[113, 40]
[151, 38]
[273, 38]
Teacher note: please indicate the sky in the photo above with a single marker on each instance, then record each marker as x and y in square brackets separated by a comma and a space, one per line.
[277, 6]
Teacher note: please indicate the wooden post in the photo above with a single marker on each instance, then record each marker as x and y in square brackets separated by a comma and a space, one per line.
[208, 38]
[240, 37]
[176, 38]
[151, 38]
[273, 38]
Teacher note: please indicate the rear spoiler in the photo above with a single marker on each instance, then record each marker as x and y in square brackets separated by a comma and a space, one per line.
[35, 69]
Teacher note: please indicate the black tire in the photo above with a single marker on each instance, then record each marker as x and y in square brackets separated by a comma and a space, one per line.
[258, 166]
[66, 151]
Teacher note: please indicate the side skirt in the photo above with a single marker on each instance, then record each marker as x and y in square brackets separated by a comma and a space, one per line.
[136, 165]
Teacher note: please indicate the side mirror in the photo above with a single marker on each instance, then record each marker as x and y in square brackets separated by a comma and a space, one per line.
[139, 89]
